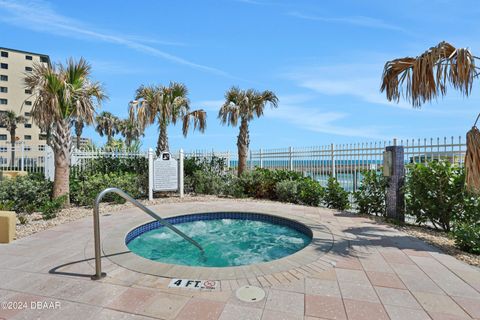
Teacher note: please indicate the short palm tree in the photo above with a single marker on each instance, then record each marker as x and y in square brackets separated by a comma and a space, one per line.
[107, 125]
[426, 77]
[63, 93]
[130, 130]
[78, 124]
[244, 105]
[10, 120]
[166, 105]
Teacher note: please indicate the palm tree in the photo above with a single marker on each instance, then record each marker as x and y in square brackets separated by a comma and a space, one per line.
[63, 93]
[107, 125]
[78, 125]
[10, 120]
[426, 77]
[244, 105]
[130, 130]
[165, 105]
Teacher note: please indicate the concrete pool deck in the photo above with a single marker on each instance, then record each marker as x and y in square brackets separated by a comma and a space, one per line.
[371, 271]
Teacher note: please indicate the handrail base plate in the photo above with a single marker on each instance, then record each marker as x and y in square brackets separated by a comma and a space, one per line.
[95, 277]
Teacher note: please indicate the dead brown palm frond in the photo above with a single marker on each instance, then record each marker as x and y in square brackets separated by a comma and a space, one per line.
[199, 118]
[472, 160]
[427, 76]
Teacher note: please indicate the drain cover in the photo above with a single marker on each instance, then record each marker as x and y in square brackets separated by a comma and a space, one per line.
[250, 293]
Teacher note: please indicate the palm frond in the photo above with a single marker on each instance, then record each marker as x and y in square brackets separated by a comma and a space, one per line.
[427, 76]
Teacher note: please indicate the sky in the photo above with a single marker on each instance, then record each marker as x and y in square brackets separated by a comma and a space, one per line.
[323, 59]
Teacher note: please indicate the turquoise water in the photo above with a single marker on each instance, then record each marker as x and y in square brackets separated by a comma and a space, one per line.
[227, 242]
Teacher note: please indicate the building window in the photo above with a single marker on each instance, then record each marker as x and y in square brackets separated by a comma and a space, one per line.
[3, 65]
[27, 148]
[3, 77]
[28, 57]
[27, 114]
[4, 89]
[28, 125]
[4, 54]
[3, 137]
[41, 147]
[3, 149]
[28, 91]
[3, 101]
[42, 136]
[28, 69]
[27, 137]
[28, 103]
[44, 59]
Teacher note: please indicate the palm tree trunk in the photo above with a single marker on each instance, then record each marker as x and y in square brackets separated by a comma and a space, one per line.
[12, 142]
[61, 147]
[243, 142]
[79, 136]
[162, 143]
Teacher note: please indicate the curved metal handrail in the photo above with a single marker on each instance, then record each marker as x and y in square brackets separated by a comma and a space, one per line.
[96, 226]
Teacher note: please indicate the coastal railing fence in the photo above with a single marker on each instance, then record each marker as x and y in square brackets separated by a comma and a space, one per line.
[347, 161]
[229, 157]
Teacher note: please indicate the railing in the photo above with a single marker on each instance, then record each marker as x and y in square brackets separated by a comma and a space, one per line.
[96, 226]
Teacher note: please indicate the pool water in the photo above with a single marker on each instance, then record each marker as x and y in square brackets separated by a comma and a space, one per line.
[227, 242]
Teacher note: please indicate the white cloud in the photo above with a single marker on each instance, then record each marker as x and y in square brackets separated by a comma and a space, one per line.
[40, 16]
[355, 80]
[294, 109]
[360, 21]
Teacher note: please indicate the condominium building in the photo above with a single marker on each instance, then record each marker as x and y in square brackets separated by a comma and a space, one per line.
[14, 66]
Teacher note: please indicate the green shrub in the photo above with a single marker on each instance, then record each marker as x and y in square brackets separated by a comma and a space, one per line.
[52, 207]
[233, 187]
[22, 219]
[370, 198]
[260, 183]
[310, 192]
[287, 191]
[84, 191]
[434, 192]
[208, 182]
[335, 196]
[105, 165]
[466, 229]
[27, 193]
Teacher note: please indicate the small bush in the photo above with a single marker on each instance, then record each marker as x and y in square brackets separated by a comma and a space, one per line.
[22, 219]
[466, 229]
[27, 193]
[310, 192]
[434, 192]
[370, 198]
[261, 183]
[52, 207]
[83, 192]
[287, 191]
[208, 182]
[335, 196]
[233, 187]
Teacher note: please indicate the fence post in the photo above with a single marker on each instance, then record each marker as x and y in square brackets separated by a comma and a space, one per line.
[180, 173]
[251, 162]
[22, 161]
[150, 174]
[261, 159]
[290, 156]
[332, 159]
[394, 169]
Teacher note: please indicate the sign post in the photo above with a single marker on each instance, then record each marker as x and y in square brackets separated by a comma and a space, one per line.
[165, 173]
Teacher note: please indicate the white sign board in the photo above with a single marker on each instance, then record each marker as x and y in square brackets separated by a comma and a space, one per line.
[165, 173]
[193, 284]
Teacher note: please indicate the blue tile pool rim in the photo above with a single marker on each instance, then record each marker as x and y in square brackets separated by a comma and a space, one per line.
[298, 226]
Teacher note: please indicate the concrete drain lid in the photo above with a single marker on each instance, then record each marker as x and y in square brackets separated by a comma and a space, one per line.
[250, 294]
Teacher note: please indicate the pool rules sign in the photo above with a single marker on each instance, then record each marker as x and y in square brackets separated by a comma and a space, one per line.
[165, 173]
